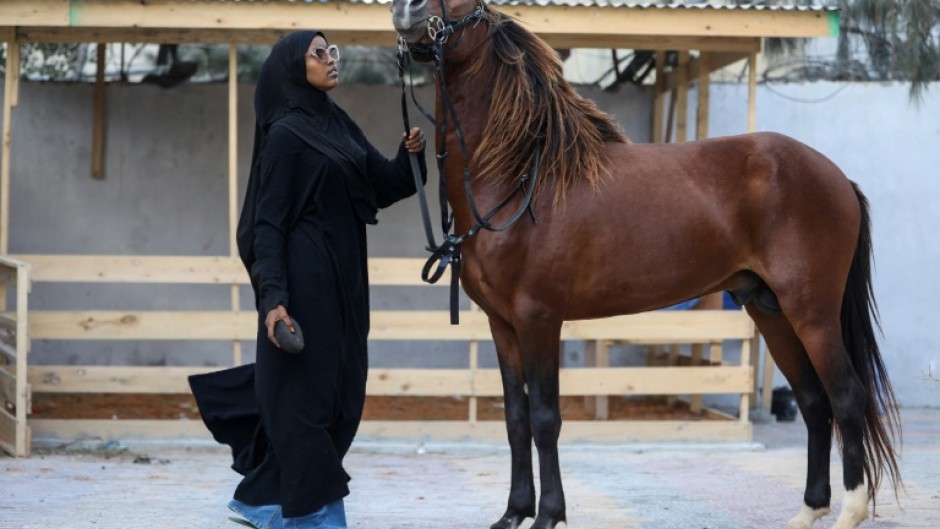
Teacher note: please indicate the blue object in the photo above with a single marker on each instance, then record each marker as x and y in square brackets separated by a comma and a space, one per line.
[330, 516]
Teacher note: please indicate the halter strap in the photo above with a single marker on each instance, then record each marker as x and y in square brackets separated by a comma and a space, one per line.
[448, 252]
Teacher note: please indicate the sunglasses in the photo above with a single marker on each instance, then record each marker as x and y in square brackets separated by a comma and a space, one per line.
[325, 54]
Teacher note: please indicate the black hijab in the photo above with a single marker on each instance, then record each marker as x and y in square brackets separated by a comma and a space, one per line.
[284, 97]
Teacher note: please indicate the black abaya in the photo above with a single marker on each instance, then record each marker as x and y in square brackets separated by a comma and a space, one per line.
[308, 254]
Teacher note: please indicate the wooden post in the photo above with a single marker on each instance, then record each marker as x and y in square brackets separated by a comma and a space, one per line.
[233, 182]
[474, 365]
[597, 354]
[745, 402]
[682, 116]
[701, 122]
[672, 359]
[710, 301]
[10, 97]
[756, 351]
[98, 127]
[752, 93]
[659, 97]
[671, 117]
[695, 402]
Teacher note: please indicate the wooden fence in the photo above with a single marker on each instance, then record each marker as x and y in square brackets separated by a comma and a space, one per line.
[14, 346]
[698, 377]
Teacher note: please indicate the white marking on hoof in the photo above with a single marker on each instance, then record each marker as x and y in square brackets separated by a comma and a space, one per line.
[805, 518]
[854, 508]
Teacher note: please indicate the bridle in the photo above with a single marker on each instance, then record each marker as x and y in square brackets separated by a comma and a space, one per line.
[447, 253]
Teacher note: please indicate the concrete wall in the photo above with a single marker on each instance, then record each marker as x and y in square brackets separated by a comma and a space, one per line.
[165, 193]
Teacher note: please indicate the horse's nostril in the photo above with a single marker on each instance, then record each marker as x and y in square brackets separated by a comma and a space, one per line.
[417, 4]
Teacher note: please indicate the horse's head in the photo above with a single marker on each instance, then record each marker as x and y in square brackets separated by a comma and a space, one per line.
[418, 21]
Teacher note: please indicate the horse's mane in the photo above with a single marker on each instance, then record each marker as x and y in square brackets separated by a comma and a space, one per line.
[534, 106]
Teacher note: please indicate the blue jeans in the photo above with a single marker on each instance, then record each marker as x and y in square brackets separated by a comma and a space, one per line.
[330, 516]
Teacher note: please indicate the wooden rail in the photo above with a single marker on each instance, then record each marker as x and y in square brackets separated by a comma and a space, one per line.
[14, 346]
[664, 327]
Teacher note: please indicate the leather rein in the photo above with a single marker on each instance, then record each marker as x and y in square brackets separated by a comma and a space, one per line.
[448, 252]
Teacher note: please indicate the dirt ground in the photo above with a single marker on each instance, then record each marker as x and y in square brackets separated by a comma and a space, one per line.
[150, 406]
[404, 485]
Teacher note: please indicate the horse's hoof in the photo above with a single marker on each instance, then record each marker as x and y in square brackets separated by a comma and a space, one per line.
[508, 522]
[805, 518]
[547, 522]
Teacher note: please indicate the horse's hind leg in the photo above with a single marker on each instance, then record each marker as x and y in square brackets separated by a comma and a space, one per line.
[791, 358]
[522, 489]
[813, 310]
[847, 395]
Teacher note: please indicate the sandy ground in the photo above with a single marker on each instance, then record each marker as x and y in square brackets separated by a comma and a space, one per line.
[402, 485]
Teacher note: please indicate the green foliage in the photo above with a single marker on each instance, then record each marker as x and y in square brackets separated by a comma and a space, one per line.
[901, 37]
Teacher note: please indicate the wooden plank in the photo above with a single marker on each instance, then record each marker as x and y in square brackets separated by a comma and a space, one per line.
[112, 379]
[652, 327]
[413, 382]
[655, 380]
[98, 128]
[664, 327]
[165, 35]
[428, 325]
[7, 261]
[717, 61]
[11, 82]
[635, 381]
[187, 269]
[421, 382]
[7, 351]
[659, 98]
[490, 431]
[234, 291]
[767, 390]
[20, 443]
[752, 93]
[582, 20]
[34, 12]
[597, 354]
[105, 429]
[8, 433]
[704, 86]
[7, 386]
[233, 150]
[135, 269]
[649, 42]
[7, 275]
[144, 325]
[7, 322]
[374, 18]
[682, 89]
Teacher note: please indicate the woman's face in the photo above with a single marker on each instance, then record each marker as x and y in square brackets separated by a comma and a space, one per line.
[322, 72]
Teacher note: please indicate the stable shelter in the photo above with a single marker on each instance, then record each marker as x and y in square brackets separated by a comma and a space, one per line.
[706, 36]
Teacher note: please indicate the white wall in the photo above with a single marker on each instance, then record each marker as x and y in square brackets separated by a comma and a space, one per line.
[891, 147]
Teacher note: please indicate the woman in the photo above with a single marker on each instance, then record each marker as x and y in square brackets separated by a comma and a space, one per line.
[316, 181]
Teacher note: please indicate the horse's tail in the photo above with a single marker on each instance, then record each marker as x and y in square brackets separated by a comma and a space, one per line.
[859, 321]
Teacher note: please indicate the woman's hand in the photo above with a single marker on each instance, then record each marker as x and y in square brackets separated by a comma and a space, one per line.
[414, 141]
[274, 315]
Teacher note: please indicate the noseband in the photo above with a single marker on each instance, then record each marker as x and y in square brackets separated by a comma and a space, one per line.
[448, 252]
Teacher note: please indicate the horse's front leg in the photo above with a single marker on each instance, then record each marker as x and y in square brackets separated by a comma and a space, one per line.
[522, 490]
[540, 345]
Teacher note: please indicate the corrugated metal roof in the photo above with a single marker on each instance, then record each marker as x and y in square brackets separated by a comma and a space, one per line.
[786, 5]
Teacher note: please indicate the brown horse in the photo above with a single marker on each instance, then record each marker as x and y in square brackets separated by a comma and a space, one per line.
[619, 228]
